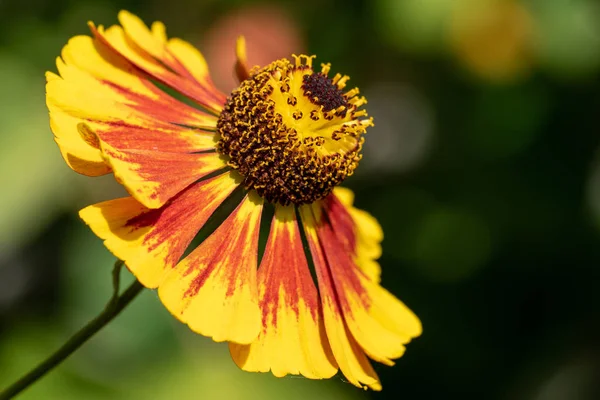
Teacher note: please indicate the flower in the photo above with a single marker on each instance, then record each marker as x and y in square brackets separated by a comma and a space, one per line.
[493, 38]
[287, 136]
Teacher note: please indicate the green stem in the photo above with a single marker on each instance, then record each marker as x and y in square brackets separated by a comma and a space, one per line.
[114, 306]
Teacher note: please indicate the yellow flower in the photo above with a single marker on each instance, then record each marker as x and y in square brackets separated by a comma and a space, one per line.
[493, 38]
[288, 135]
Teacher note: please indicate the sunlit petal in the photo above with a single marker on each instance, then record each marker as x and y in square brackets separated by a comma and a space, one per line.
[350, 357]
[160, 59]
[151, 241]
[214, 289]
[292, 338]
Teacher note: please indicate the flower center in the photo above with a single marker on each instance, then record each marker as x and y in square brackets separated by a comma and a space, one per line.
[292, 132]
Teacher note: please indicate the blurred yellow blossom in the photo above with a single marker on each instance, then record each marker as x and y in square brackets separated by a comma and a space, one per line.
[492, 38]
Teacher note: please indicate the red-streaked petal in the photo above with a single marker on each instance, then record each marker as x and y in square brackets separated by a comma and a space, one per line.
[292, 338]
[151, 241]
[174, 62]
[379, 322]
[151, 137]
[82, 107]
[154, 165]
[214, 289]
[153, 160]
[97, 85]
[82, 96]
[153, 177]
[349, 356]
[358, 230]
[130, 85]
[345, 228]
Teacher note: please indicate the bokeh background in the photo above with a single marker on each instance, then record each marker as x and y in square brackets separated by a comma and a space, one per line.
[483, 169]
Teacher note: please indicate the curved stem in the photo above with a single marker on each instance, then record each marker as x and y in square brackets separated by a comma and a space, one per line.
[114, 306]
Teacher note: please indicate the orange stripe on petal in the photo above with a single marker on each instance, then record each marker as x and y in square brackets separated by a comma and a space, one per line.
[292, 339]
[379, 322]
[129, 84]
[151, 241]
[345, 228]
[152, 137]
[214, 289]
[190, 62]
[164, 61]
[99, 85]
[81, 95]
[152, 177]
[78, 99]
[356, 229]
[349, 356]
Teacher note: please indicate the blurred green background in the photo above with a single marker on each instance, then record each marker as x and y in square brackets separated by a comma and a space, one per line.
[483, 169]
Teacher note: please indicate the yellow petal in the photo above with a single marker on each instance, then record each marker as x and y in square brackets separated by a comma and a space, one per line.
[78, 154]
[170, 62]
[127, 83]
[241, 63]
[292, 338]
[136, 129]
[380, 323]
[191, 59]
[138, 32]
[152, 241]
[349, 356]
[366, 232]
[214, 289]
[153, 177]
[81, 95]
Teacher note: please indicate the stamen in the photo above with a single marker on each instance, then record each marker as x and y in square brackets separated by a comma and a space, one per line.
[351, 93]
[342, 82]
[358, 101]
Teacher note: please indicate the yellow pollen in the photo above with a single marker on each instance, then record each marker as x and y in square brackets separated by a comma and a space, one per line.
[291, 132]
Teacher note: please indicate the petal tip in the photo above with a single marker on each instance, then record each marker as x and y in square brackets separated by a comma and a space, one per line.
[241, 64]
[124, 14]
